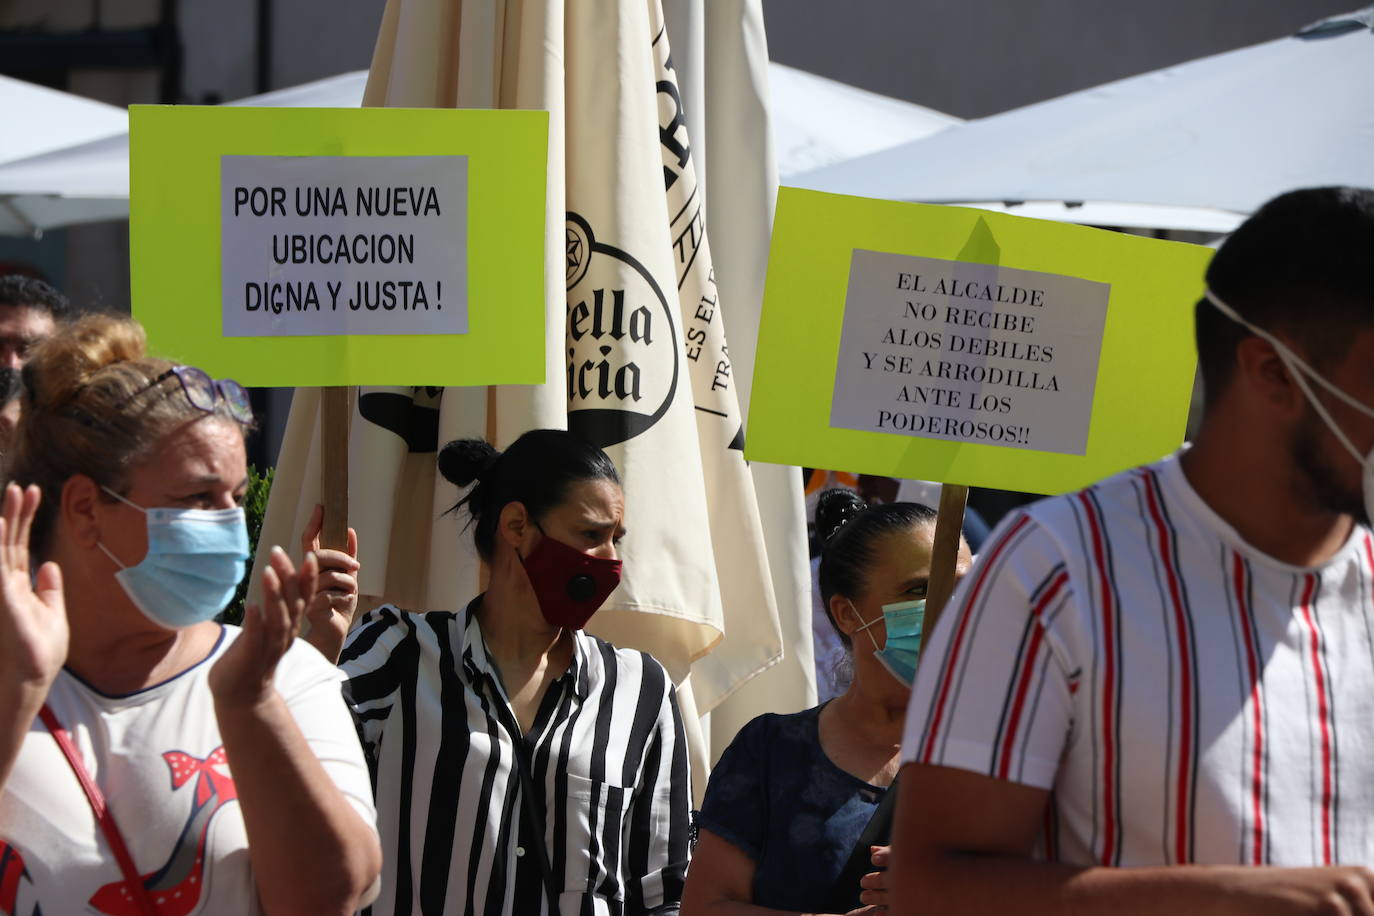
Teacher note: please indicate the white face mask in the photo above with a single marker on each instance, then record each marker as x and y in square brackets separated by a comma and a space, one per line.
[1300, 372]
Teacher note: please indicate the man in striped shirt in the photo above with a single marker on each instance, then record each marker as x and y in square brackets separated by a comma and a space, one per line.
[1176, 666]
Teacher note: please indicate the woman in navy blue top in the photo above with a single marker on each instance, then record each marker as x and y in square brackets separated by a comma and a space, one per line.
[792, 794]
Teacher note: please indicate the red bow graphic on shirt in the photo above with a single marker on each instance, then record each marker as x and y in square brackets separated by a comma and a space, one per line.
[212, 773]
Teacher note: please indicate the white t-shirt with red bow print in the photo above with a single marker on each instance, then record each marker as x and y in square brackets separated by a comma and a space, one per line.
[158, 758]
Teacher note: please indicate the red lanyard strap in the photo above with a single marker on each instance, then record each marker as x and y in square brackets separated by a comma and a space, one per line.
[132, 879]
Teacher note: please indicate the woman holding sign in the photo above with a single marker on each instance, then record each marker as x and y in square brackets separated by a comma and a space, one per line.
[797, 812]
[523, 766]
[153, 761]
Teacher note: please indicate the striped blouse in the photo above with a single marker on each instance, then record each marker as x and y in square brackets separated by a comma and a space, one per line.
[606, 761]
[1184, 697]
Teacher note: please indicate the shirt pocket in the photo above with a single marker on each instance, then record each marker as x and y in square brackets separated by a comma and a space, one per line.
[594, 837]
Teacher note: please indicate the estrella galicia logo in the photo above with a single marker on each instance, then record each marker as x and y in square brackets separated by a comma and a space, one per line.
[413, 417]
[622, 345]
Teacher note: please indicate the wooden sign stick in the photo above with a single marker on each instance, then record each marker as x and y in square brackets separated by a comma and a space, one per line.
[944, 552]
[334, 415]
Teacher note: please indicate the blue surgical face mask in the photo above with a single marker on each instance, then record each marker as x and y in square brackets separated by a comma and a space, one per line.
[195, 560]
[902, 621]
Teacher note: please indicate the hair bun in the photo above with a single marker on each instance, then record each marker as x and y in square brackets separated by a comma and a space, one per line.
[463, 461]
[65, 362]
[835, 508]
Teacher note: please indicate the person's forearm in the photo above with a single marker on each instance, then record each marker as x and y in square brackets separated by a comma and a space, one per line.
[329, 640]
[976, 885]
[20, 704]
[311, 851]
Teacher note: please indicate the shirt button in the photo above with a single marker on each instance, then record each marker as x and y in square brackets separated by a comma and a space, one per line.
[519, 851]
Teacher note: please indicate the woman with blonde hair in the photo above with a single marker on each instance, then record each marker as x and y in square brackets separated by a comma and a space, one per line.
[151, 759]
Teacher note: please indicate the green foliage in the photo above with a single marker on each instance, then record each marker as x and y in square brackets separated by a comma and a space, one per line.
[255, 507]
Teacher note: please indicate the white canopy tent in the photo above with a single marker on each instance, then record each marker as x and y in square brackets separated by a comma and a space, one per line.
[51, 120]
[1196, 146]
[86, 178]
[89, 181]
[819, 121]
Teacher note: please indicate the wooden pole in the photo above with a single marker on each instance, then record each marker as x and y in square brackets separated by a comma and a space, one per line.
[334, 414]
[944, 553]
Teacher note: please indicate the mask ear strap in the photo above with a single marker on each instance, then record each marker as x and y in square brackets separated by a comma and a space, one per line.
[1298, 369]
[1321, 410]
[113, 559]
[865, 626]
[125, 500]
[1294, 362]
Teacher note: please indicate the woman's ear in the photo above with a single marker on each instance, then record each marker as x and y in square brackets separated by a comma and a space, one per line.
[79, 511]
[843, 613]
[515, 526]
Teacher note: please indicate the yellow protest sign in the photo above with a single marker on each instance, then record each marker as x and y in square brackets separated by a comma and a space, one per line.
[969, 347]
[377, 246]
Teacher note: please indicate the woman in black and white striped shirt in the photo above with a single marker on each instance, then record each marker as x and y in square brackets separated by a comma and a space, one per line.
[523, 766]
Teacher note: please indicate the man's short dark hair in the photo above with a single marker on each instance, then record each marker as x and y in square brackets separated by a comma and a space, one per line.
[1302, 266]
[17, 289]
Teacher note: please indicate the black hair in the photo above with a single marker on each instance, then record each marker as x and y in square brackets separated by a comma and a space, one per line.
[19, 290]
[1299, 266]
[536, 470]
[849, 530]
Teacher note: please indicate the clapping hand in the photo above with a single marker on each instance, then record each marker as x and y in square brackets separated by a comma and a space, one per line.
[33, 615]
[244, 673]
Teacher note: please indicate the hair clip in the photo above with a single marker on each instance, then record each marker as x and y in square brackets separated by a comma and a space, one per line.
[847, 515]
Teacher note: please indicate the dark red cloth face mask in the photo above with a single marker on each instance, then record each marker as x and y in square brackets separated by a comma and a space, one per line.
[570, 585]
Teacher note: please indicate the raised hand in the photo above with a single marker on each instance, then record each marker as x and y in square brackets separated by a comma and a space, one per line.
[33, 616]
[330, 612]
[243, 675]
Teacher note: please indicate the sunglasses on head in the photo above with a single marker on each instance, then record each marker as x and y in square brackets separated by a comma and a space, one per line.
[202, 391]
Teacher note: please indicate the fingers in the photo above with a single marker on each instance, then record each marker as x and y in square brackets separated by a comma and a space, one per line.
[310, 537]
[281, 564]
[306, 585]
[16, 521]
[874, 884]
[48, 585]
[352, 543]
[28, 508]
[335, 560]
[13, 497]
[9, 517]
[336, 583]
[874, 898]
[281, 596]
[271, 589]
[288, 579]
